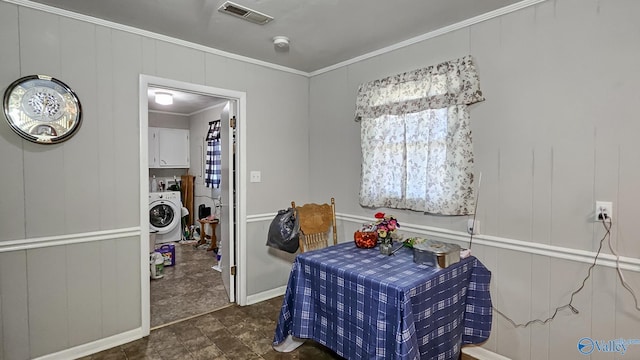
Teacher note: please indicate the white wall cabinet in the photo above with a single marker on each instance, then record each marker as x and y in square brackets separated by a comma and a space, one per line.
[153, 147]
[168, 148]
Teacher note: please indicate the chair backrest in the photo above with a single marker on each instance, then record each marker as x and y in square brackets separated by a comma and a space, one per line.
[316, 221]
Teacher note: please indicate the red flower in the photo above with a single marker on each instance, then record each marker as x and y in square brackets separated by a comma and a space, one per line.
[379, 215]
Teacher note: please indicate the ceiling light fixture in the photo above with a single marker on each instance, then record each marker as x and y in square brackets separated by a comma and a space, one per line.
[163, 98]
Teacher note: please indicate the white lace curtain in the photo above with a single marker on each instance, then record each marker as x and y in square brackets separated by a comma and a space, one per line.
[416, 143]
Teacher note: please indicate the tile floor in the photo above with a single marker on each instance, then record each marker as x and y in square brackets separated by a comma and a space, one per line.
[231, 333]
[190, 287]
[222, 331]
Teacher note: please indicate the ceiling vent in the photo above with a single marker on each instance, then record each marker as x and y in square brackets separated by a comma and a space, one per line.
[245, 13]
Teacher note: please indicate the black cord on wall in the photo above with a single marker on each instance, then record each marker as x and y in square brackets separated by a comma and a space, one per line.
[475, 211]
[606, 223]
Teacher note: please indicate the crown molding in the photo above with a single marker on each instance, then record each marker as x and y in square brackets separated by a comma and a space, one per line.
[222, 104]
[447, 29]
[168, 113]
[149, 34]
[113, 25]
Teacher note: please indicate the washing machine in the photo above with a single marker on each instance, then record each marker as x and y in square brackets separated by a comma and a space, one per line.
[165, 210]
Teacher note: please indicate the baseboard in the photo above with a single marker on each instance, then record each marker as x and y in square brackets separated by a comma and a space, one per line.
[95, 346]
[266, 295]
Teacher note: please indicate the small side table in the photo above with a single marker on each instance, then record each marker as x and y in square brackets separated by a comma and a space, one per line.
[203, 234]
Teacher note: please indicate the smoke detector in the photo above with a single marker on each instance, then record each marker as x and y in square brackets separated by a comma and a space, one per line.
[244, 12]
[281, 42]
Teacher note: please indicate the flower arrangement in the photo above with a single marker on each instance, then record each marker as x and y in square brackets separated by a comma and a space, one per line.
[385, 225]
[379, 231]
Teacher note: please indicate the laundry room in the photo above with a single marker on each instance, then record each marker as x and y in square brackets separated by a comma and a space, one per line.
[184, 205]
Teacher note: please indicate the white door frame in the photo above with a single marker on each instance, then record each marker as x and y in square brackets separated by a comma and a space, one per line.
[241, 214]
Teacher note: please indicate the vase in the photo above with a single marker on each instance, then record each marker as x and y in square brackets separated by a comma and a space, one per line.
[365, 239]
[386, 246]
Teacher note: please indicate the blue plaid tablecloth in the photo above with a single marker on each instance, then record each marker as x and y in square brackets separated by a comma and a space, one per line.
[364, 305]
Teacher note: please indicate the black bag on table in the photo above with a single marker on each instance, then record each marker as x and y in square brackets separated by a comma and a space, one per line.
[284, 231]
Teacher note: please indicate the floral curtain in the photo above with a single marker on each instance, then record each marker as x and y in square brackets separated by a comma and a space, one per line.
[416, 139]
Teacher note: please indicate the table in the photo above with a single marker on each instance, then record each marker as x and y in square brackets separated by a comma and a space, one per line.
[203, 234]
[364, 305]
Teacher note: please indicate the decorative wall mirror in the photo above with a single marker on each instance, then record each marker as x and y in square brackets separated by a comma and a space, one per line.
[42, 109]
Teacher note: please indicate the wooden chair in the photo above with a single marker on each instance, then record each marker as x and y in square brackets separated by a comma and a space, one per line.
[316, 221]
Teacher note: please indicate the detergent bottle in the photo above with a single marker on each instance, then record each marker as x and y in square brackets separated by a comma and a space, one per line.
[156, 263]
[154, 184]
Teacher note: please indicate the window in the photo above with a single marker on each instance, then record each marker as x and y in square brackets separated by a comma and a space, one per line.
[416, 143]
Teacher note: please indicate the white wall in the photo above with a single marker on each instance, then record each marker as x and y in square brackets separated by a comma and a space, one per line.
[70, 213]
[51, 294]
[558, 131]
[166, 120]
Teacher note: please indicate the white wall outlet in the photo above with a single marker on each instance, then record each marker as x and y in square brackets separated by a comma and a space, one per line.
[473, 229]
[603, 208]
[255, 176]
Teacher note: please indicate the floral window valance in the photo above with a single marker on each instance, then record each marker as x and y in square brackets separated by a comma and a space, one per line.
[416, 141]
[439, 86]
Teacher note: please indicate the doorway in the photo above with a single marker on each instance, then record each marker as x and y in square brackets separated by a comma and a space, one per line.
[231, 200]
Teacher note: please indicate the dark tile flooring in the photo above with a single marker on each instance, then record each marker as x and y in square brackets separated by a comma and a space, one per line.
[231, 332]
[234, 332]
[190, 287]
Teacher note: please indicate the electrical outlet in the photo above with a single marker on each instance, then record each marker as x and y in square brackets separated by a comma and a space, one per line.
[255, 176]
[605, 208]
[473, 229]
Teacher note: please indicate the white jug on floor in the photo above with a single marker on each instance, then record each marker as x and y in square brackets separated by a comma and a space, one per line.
[157, 265]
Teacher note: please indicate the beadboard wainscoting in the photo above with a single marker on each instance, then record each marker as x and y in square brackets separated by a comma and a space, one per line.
[529, 280]
[70, 295]
[521, 292]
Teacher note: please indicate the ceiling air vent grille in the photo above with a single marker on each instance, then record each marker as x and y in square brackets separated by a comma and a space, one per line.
[245, 13]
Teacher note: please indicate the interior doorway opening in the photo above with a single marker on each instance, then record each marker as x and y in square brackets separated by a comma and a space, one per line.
[227, 200]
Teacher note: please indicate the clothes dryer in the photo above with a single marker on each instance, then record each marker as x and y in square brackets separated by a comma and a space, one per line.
[165, 210]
